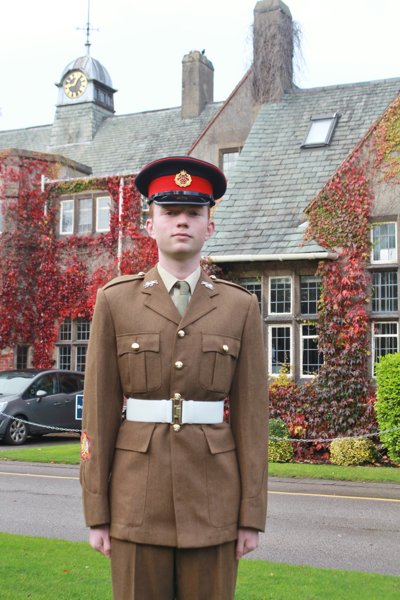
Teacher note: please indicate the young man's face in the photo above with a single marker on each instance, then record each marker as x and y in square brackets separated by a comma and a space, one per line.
[180, 231]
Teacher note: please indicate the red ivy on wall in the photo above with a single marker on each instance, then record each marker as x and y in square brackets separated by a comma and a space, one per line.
[45, 278]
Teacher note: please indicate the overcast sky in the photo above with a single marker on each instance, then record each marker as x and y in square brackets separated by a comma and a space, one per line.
[141, 43]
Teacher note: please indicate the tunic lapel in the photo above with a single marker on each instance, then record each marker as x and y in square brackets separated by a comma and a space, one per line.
[157, 297]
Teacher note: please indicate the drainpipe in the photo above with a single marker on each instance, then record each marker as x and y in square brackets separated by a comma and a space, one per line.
[120, 204]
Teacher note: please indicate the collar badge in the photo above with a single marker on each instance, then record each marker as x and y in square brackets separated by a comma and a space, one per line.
[183, 179]
[150, 283]
[208, 285]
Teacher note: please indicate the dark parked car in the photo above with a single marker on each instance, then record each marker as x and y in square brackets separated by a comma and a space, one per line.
[44, 397]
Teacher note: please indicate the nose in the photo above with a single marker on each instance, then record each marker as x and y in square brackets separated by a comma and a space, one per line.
[182, 220]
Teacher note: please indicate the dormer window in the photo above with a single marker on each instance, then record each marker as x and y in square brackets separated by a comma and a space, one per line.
[320, 131]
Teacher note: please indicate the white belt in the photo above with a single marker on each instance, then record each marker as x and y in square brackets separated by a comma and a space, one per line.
[176, 410]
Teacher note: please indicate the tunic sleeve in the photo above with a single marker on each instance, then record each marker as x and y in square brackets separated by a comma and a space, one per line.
[102, 410]
[249, 421]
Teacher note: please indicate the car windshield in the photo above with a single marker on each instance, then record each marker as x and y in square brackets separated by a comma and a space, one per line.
[14, 383]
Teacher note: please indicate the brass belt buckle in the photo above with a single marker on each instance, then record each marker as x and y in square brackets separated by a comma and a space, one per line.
[177, 412]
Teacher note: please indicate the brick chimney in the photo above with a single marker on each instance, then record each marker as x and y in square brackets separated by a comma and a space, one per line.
[272, 50]
[197, 83]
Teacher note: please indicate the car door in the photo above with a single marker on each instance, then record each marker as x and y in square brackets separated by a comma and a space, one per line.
[70, 384]
[45, 409]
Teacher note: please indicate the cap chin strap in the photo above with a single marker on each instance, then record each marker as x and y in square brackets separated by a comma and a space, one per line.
[181, 197]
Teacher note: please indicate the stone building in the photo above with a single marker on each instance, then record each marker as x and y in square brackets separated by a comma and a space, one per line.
[279, 145]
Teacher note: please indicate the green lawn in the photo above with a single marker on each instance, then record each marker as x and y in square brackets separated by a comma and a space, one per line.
[40, 568]
[69, 454]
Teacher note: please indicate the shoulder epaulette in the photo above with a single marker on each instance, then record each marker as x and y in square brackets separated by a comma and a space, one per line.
[124, 279]
[231, 283]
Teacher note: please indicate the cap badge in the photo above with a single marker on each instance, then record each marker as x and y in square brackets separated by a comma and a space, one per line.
[183, 179]
[208, 285]
[150, 283]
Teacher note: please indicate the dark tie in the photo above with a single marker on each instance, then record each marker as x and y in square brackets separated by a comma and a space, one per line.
[181, 299]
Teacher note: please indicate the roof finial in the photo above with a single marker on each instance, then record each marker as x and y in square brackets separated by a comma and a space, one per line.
[88, 29]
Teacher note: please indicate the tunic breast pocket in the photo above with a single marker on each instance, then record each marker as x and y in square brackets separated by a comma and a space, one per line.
[218, 361]
[139, 361]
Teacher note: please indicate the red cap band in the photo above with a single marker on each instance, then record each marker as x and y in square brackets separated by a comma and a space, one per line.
[187, 183]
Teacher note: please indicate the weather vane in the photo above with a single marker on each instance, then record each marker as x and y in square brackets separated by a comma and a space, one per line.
[88, 29]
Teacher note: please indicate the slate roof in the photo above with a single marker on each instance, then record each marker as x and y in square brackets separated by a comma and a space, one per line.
[124, 143]
[275, 179]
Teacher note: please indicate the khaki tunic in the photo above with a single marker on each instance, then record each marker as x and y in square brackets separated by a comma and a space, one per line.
[194, 487]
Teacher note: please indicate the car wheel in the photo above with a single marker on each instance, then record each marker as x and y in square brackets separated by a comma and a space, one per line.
[16, 433]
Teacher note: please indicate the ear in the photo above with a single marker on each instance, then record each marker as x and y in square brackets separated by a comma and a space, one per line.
[150, 227]
[210, 229]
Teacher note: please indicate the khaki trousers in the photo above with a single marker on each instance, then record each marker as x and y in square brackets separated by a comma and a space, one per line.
[143, 572]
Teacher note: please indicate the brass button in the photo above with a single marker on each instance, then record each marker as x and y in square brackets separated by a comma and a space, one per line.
[177, 396]
[135, 346]
[181, 333]
[176, 427]
[178, 364]
[225, 348]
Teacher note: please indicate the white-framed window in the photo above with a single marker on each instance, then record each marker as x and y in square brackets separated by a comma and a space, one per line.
[103, 213]
[253, 285]
[280, 295]
[145, 211]
[385, 297]
[311, 359]
[384, 242]
[279, 348]
[310, 291]
[86, 214]
[385, 339]
[320, 131]
[73, 337]
[66, 217]
[228, 158]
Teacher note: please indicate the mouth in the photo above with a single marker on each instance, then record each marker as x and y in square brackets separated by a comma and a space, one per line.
[181, 235]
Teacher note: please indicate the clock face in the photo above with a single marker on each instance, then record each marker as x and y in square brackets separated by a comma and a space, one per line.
[75, 84]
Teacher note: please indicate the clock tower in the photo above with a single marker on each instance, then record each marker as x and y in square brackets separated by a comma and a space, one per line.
[85, 99]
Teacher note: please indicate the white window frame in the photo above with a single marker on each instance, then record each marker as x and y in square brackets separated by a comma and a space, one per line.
[85, 211]
[290, 362]
[302, 338]
[311, 279]
[100, 209]
[270, 294]
[325, 140]
[63, 203]
[374, 336]
[380, 299]
[395, 250]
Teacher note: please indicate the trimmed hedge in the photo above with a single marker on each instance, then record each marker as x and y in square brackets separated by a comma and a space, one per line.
[387, 405]
[353, 452]
[279, 450]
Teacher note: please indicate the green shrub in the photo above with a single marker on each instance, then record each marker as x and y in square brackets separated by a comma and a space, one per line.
[279, 450]
[387, 405]
[353, 452]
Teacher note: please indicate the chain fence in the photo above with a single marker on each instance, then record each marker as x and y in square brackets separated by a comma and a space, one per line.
[272, 438]
[52, 427]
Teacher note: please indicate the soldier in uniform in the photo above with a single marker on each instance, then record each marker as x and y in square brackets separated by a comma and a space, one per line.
[175, 493]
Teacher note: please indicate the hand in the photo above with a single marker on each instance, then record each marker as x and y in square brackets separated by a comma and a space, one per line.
[99, 539]
[246, 542]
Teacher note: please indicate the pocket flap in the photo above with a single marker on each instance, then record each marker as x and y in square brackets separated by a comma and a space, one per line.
[223, 344]
[138, 342]
[219, 438]
[134, 436]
